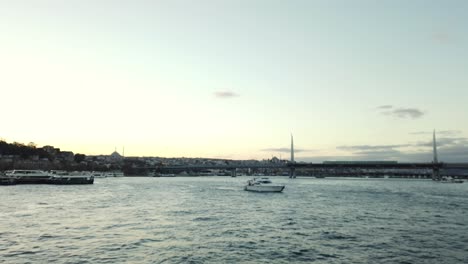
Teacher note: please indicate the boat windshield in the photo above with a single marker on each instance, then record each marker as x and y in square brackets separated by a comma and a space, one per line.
[263, 181]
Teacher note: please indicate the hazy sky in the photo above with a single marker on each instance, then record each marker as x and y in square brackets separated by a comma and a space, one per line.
[361, 80]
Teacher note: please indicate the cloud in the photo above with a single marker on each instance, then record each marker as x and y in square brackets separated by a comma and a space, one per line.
[287, 150]
[385, 107]
[448, 132]
[444, 141]
[442, 132]
[442, 37]
[225, 94]
[371, 148]
[450, 149]
[401, 112]
[450, 154]
[376, 152]
[421, 133]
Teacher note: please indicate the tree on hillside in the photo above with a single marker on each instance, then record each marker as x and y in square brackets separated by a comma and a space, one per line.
[79, 158]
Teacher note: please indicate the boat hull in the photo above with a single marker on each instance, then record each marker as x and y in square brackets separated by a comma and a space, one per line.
[448, 180]
[72, 180]
[264, 188]
[7, 181]
[454, 181]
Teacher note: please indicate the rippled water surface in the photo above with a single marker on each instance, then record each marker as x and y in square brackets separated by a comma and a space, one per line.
[212, 220]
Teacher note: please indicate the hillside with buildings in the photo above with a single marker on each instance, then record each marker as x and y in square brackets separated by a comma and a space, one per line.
[21, 156]
[28, 156]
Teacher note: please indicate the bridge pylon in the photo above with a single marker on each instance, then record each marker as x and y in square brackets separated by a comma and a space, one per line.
[292, 169]
[292, 172]
[435, 161]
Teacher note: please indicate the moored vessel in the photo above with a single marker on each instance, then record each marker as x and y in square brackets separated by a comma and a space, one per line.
[43, 177]
[448, 179]
[72, 179]
[29, 176]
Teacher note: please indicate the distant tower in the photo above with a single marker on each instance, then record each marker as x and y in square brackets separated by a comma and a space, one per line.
[434, 145]
[292, 149]
[292, 169]
[435, 161]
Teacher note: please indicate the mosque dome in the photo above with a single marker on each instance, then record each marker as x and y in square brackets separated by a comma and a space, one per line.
[116, 155]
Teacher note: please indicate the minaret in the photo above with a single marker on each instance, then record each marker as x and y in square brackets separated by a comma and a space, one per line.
[292, 149]
[434, 145]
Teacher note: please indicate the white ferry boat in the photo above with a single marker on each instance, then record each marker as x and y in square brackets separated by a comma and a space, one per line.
[29, 176]
[43, 177]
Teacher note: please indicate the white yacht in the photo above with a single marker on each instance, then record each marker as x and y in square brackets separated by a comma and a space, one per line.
[263, 185]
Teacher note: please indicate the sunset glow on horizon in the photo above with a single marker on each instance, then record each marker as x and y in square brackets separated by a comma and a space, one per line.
[357, 80]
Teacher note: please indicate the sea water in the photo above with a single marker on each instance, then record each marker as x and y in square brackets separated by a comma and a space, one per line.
[213, 220]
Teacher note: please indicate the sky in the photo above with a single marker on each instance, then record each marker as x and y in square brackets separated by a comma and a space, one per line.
[351, 80]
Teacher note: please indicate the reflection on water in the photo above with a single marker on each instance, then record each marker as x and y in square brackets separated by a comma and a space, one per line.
[212, 220]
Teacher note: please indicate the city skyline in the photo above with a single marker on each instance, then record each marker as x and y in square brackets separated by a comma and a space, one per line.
[358, 80]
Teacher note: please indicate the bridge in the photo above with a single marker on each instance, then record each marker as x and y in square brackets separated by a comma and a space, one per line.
[376, 168]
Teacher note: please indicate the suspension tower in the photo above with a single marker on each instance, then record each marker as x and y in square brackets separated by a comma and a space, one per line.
[292, 169]
[435, 160]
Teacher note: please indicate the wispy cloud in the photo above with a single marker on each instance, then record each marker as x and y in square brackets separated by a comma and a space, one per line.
[384, 107]
[442, 37]
[421, 133]
[450, 149]
[448, 132]
[407, 113]
[400, 112]
[444, 142]
[442, 132]
[225, 94]
[371, 148]
[287, 150]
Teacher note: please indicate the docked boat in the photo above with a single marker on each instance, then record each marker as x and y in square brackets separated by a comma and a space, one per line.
[29, 176]
[72, 179]
[115, 174]
[6, 180]
[98, 174]
[263, 185]
[167, 175]
[43, 177]
[105, 174]
[448, 179]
